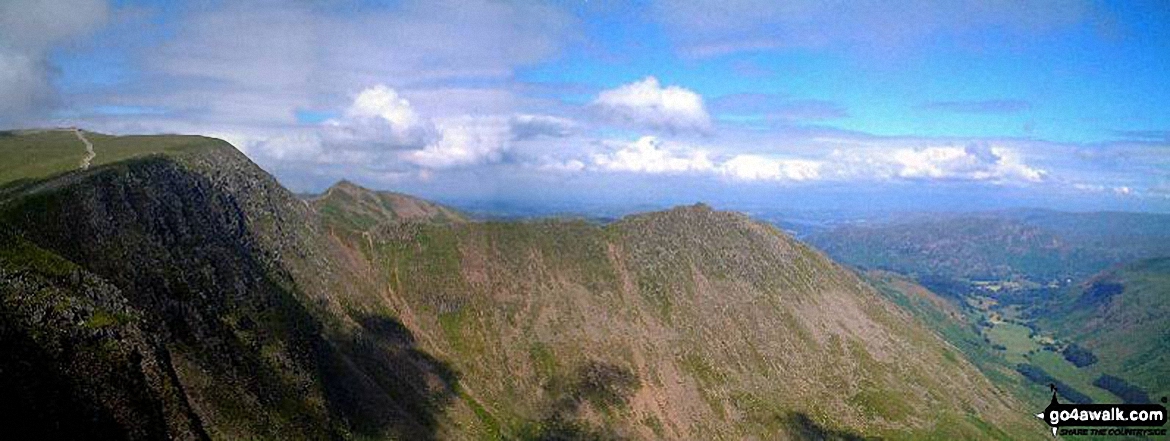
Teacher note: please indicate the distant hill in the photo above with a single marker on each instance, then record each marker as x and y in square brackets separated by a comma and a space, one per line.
[358, 208]
[1135, 234]
[175, 290]
[1039, 247]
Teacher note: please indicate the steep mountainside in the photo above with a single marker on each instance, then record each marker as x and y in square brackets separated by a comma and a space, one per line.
[181, 292]
[708, 324]
[213, 274]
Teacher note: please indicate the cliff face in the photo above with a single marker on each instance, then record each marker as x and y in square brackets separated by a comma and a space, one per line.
[188, 295]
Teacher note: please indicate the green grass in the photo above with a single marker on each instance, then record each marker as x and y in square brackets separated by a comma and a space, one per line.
[29, 156]
[491, 425]
[20, 255]
[102, 319]
[36, 155]
[1015, 338]
[874, 402]
[1080, 379]
[543, 359]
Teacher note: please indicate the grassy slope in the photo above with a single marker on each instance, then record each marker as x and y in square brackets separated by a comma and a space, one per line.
[956, 327]
[40, 154]
[1128, 331]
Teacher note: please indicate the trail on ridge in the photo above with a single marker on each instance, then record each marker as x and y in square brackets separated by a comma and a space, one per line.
[89, 153]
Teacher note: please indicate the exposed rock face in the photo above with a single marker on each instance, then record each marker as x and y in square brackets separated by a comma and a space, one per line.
[190, 296]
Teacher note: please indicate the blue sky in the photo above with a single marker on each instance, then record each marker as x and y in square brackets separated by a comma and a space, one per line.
[882, 105]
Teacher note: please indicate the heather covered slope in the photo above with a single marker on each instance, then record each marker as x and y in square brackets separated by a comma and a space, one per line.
[185, 294]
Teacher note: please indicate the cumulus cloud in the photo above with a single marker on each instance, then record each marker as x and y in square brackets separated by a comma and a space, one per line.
[381, 130]
[649, 155]
[975, 162]
[647, 103]
[28, 31]
[465, 141]
[380, 118]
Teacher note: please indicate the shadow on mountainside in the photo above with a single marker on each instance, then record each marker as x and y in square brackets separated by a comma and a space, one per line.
[251, 356]
[604, 386]
[801, 427]
[41, 399]
[415, 386]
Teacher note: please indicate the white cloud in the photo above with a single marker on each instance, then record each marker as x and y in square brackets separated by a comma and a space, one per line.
[380, 131]
[934, 162]
[760, 168]
[568, 166]
[649, 155]
[380, 118]
[1120, 190]
[975, 162]
[1010, 164]
[652, 155]
[465, 141]
[646, 103]
[384, 102]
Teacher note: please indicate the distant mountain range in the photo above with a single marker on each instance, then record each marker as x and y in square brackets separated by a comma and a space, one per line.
[173, 289]
[1035, 246]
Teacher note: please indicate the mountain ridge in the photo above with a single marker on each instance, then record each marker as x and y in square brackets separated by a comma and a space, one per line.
[279, 318]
